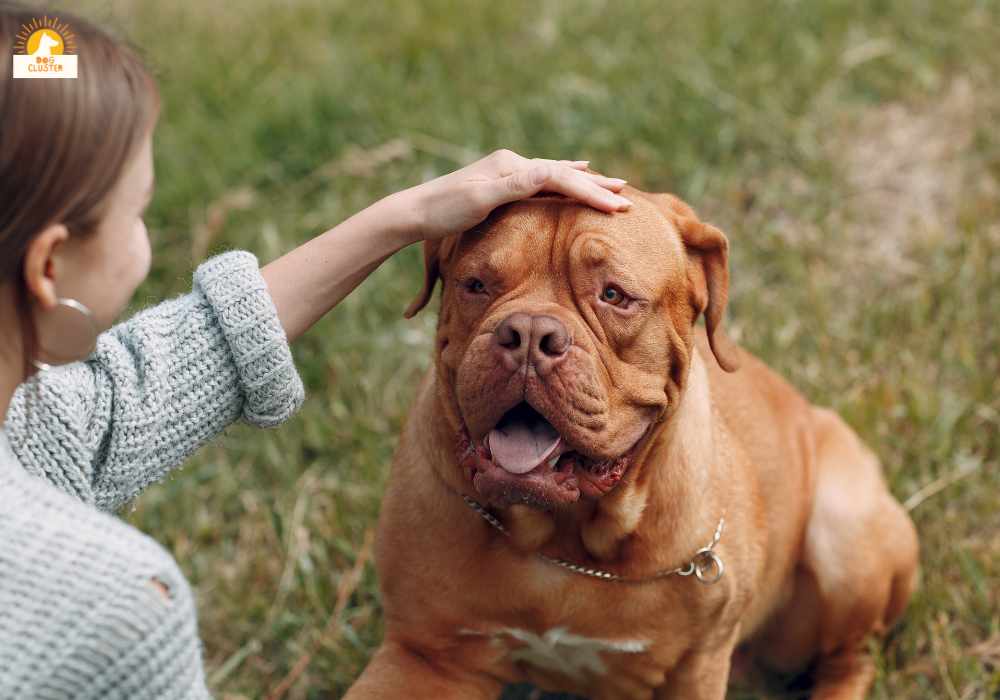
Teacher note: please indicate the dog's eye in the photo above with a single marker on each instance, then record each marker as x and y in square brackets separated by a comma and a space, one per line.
[613, 295]
[475, 286]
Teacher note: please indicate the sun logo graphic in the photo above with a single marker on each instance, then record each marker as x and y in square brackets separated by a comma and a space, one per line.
[45, 48]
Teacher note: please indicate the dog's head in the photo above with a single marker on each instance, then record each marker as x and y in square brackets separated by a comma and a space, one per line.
[565, 334]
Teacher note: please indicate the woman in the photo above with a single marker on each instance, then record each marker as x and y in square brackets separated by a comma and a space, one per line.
[89, 606]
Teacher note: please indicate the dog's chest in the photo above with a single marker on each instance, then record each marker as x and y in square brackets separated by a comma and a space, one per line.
[558, 650]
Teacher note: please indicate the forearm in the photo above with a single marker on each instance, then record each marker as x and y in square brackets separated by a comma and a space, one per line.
[310, 280]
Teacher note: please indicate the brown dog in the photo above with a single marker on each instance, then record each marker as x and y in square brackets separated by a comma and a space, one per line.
[574, 403]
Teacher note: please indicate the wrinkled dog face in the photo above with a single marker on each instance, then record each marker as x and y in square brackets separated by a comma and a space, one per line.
[564, 335]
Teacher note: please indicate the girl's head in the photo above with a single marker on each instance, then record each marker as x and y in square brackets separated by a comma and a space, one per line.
[76, 172]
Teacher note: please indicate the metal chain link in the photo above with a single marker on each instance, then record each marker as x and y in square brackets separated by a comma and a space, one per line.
[705, 565]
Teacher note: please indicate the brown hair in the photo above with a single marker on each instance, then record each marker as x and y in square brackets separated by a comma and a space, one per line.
[64, 142]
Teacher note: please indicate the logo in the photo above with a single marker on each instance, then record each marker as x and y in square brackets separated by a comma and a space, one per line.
[45, 49]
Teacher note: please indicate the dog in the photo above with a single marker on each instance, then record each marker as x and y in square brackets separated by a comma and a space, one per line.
[597, 494]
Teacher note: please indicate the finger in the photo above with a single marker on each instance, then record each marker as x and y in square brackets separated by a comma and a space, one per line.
[555, 178]
[584, 187]
[615, 184]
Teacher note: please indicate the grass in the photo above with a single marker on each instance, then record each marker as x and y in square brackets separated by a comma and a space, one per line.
[850, 150]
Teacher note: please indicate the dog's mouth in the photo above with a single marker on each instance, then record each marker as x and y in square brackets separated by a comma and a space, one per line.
[524, 459]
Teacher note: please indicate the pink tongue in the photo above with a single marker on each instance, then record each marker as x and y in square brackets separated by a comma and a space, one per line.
[522, 442]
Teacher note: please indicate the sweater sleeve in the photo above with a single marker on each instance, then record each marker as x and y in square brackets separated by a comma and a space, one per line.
[158, 386]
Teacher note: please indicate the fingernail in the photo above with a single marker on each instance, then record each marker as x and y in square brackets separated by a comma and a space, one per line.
[618, 180]
[623, 202]
[582, 162]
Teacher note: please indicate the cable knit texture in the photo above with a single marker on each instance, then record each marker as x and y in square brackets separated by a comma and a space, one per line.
[79, 616]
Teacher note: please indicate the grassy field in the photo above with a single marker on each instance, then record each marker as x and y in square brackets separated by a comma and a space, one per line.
[850, 150]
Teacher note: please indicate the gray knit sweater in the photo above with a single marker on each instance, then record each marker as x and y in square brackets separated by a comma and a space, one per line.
[80, 616]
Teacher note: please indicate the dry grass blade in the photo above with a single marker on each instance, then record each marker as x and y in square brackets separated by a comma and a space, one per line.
[205, 233]
[460, 155]
[987, 651]
[364, 162]
[941, 483]
[298, 539]
[348, 584]
[940, 661]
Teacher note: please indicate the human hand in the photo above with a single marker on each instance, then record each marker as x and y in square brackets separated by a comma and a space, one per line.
[458, 201]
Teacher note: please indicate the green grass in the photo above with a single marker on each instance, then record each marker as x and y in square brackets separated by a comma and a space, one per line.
[866, 262]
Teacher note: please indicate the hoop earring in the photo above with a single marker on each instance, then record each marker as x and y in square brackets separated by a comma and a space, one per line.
[79, 334]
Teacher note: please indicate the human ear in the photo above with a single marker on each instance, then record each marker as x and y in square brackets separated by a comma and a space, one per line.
[40, 265]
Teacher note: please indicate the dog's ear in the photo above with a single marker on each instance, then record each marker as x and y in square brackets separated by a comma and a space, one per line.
[435, 251]
[708, 272]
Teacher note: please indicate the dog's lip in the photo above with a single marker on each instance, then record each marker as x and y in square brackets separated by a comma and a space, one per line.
[564, 446]
[546, 485]
[561, 478]
[553, 466]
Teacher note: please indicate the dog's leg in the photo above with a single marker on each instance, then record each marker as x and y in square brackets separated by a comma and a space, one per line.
[701, 674]
[399, 672]
[861, 558]
[846, 675]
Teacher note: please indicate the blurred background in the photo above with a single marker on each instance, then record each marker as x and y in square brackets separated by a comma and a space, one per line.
[849, 149]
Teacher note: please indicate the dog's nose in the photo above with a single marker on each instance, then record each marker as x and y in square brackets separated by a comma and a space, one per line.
[549, 336]
[542, 338]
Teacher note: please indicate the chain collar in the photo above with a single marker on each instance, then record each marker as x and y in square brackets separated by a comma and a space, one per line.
[705, 565]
